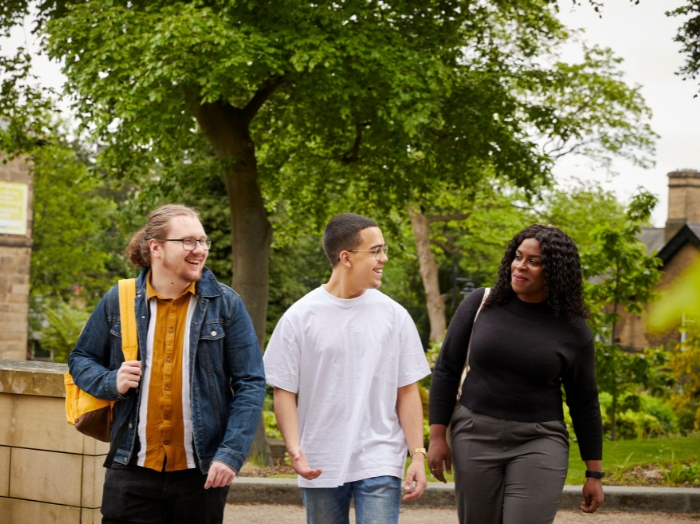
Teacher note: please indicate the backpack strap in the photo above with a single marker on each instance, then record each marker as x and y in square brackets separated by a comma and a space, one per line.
[127, 314]
[465, 371]
[130, 348]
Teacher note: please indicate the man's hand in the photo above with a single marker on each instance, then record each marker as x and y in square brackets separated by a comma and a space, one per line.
[301, 465]
[439, 458]
[128, 376]
[220, 475]
[288, 422]
[415, 474]
[593, 495]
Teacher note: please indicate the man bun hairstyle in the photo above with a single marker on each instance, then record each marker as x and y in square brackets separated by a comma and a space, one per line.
[561, 267]
[138, 251]
[342, 233]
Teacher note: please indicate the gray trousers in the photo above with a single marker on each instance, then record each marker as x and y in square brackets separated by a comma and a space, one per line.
[507, 472]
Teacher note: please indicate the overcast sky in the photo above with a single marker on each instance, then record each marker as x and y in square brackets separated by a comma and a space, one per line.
[643, 36]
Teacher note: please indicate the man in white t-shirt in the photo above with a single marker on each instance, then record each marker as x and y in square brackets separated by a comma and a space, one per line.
[354, 358]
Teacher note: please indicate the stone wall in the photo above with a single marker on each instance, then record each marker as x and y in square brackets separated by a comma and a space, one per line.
[15, 253]
[48, 471]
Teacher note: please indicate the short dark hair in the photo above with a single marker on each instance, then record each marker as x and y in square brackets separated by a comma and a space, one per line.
[561, 267]
[342, 233]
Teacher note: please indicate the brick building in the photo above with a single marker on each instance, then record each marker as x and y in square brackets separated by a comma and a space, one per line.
[16, 193]
[677, 244]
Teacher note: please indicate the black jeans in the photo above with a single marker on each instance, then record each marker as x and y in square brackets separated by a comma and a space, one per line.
[136, 495]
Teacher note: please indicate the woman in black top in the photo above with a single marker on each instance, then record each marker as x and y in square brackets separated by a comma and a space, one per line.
[508, 437]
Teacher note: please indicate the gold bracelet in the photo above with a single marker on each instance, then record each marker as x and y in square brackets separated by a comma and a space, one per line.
[419, 450]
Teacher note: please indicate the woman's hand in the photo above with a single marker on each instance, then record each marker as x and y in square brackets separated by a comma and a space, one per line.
[439, 455]
[593, 495]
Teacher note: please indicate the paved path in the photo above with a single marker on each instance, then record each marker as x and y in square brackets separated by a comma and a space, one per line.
[266, 514]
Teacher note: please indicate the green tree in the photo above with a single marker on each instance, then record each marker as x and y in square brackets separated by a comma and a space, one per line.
[619, 274]
[77, 245]
[689, 37]
[373, 100]
[25, 108]
[471, 228]
[171, 73]
[351, 84]
[75, 222]
[572, 109]
[569, 207]
[463, 228]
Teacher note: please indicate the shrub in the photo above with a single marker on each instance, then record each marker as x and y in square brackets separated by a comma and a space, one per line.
[645, 417]
[688, 413]
[638, 425]
[662, 410]
[58, 326]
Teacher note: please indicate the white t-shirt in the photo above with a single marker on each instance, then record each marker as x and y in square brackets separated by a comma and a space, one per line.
[346, 358]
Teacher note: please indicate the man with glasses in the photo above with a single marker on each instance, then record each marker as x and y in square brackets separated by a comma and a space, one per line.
[190, 405]
[353, 357]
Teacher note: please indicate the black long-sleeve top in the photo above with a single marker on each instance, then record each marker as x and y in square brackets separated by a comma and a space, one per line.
[521, 355]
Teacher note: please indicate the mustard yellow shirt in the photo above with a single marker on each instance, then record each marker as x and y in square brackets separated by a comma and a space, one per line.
[165, 429]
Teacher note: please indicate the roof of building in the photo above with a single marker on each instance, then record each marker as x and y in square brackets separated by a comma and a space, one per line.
[688, 233]
[653, 238]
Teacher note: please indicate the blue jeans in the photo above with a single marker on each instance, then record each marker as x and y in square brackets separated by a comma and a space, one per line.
[377, 501]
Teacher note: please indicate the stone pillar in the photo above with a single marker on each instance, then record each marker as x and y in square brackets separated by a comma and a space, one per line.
[49, 472]
[16, 195]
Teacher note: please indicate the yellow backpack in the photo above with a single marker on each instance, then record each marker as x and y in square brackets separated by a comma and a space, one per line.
[91, 416]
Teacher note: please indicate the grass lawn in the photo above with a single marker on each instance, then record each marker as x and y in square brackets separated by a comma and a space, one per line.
[627, 453]
[622, 454]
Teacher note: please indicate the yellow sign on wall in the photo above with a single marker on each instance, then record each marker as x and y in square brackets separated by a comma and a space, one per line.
[13, 208]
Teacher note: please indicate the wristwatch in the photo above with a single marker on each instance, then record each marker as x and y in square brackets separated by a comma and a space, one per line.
[594, 474]
[419, 450]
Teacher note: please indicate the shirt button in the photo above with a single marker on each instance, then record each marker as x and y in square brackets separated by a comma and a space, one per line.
[167, 388]
[167, 359]
[171, 330]
[213, 333]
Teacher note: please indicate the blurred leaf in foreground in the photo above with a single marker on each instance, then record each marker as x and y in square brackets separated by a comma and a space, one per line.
[682, 297]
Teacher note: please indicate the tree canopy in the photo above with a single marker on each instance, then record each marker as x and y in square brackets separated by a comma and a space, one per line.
[306, 107]
[689, 37]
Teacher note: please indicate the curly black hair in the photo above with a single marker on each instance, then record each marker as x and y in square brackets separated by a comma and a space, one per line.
[561, 267]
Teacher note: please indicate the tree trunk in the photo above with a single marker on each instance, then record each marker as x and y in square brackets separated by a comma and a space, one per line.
[428, 269]
[227, 129]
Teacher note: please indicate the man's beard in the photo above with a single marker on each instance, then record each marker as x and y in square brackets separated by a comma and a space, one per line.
[183, 276]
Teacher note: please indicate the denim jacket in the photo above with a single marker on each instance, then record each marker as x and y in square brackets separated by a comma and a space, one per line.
[226, 370]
